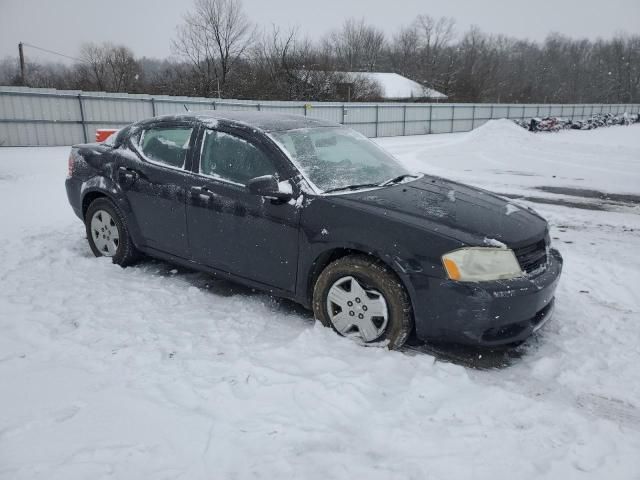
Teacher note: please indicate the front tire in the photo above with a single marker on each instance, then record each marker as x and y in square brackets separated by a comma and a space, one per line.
[359, 297]
[107, 233]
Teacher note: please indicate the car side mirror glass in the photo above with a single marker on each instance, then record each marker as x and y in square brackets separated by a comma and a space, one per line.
[268, 186]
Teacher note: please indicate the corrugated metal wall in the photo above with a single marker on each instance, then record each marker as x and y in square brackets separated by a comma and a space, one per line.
[34, 116]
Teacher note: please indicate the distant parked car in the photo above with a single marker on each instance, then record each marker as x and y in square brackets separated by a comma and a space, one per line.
[315, 212]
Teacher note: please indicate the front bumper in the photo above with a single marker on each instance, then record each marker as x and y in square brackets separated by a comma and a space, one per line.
[486, 313]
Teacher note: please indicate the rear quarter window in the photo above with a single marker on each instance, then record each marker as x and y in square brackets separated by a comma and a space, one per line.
[166, 145]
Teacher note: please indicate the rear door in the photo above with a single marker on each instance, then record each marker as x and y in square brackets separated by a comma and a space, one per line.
[153, 173]
[231, 229]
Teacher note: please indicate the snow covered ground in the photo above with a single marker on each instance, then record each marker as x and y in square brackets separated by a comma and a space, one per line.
[156, 372]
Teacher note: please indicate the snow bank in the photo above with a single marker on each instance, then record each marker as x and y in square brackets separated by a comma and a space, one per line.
[506, 158]
[502, 130]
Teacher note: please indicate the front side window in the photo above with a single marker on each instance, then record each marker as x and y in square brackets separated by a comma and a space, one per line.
[335, 157]
[166, 145]
[232, 158]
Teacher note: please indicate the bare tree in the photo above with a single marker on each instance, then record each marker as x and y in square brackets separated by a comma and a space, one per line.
[275, 62]
[216, 34]
[9, 71]
[93, 69]
[478, 59]
[404, 51]
[107, 67]
[356, 46]
[434, 34]
[218, 51]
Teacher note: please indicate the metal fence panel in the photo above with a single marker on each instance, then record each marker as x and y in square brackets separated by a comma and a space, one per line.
[499, 111]
[289, 109]
[50, 117]
[330, 113]
[483, 113]
[366, 129]
[45, 107]
[360, 115]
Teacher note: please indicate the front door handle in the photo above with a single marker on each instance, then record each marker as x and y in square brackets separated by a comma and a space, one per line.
[203, 192]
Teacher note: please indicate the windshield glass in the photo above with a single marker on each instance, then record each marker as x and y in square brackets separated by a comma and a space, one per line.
[337, 157]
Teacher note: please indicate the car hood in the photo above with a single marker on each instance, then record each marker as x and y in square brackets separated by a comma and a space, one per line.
[468, 214]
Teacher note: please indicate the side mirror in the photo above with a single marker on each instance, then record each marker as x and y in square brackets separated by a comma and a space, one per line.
[268, 186]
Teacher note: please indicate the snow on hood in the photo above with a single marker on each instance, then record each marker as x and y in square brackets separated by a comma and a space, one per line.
[476, 215]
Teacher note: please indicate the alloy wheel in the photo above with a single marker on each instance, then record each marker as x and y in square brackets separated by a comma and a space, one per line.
[104, 233]
[356, 311]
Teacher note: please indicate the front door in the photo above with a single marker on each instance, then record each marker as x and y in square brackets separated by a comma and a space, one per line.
[233, 230]
[152, 173]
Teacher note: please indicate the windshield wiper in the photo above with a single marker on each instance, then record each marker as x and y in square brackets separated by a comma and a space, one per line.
[397, 179]
[355, 186]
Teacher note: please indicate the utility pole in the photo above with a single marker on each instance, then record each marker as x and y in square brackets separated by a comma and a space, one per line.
[21, 53]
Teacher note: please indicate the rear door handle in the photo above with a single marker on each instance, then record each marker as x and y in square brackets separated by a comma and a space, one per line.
[128, 174]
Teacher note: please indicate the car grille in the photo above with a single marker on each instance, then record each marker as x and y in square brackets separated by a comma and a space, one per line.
[532, 257]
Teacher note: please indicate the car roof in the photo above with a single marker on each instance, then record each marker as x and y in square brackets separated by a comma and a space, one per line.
[265, 121]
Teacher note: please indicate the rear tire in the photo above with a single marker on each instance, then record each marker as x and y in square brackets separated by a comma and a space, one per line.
[107, 233]
[362, 298]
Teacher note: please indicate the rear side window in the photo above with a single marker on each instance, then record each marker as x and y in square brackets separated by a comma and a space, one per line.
[232, 158]
[167, 146]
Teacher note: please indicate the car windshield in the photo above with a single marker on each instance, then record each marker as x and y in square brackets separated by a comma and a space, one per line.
[336, 157]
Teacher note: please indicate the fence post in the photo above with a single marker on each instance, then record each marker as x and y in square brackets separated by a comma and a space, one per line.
[214, 104]
[524, 109]
[573, 112]
[153, 107]
[473, 117]
[453, 115]
[377, 117]
[430, 116]
[82, 122]
[344, 114]
[508, 111]
[404, 120]
[259, 108]
[538, 111]
[491, 114]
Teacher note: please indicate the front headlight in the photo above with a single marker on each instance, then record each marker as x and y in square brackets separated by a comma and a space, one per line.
[479, 264]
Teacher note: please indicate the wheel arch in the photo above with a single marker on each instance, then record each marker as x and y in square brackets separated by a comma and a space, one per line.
[102, 187]
[326, 257]
[89, 197]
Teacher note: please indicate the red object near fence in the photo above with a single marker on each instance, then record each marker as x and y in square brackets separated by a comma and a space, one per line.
[103, 133]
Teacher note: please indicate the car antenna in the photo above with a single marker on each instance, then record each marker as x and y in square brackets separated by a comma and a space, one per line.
[185, 107]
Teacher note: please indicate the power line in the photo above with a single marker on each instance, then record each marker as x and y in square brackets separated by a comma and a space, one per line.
[53, 52]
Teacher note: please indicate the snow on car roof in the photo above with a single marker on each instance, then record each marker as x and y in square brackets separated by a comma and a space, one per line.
[266, 121]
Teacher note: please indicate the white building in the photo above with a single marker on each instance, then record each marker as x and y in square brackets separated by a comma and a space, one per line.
[391, 86]
[397, 87]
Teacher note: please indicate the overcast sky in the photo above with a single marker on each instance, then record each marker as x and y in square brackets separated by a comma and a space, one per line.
[147, 26]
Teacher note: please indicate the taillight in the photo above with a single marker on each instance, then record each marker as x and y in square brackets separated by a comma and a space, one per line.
[70, 164]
